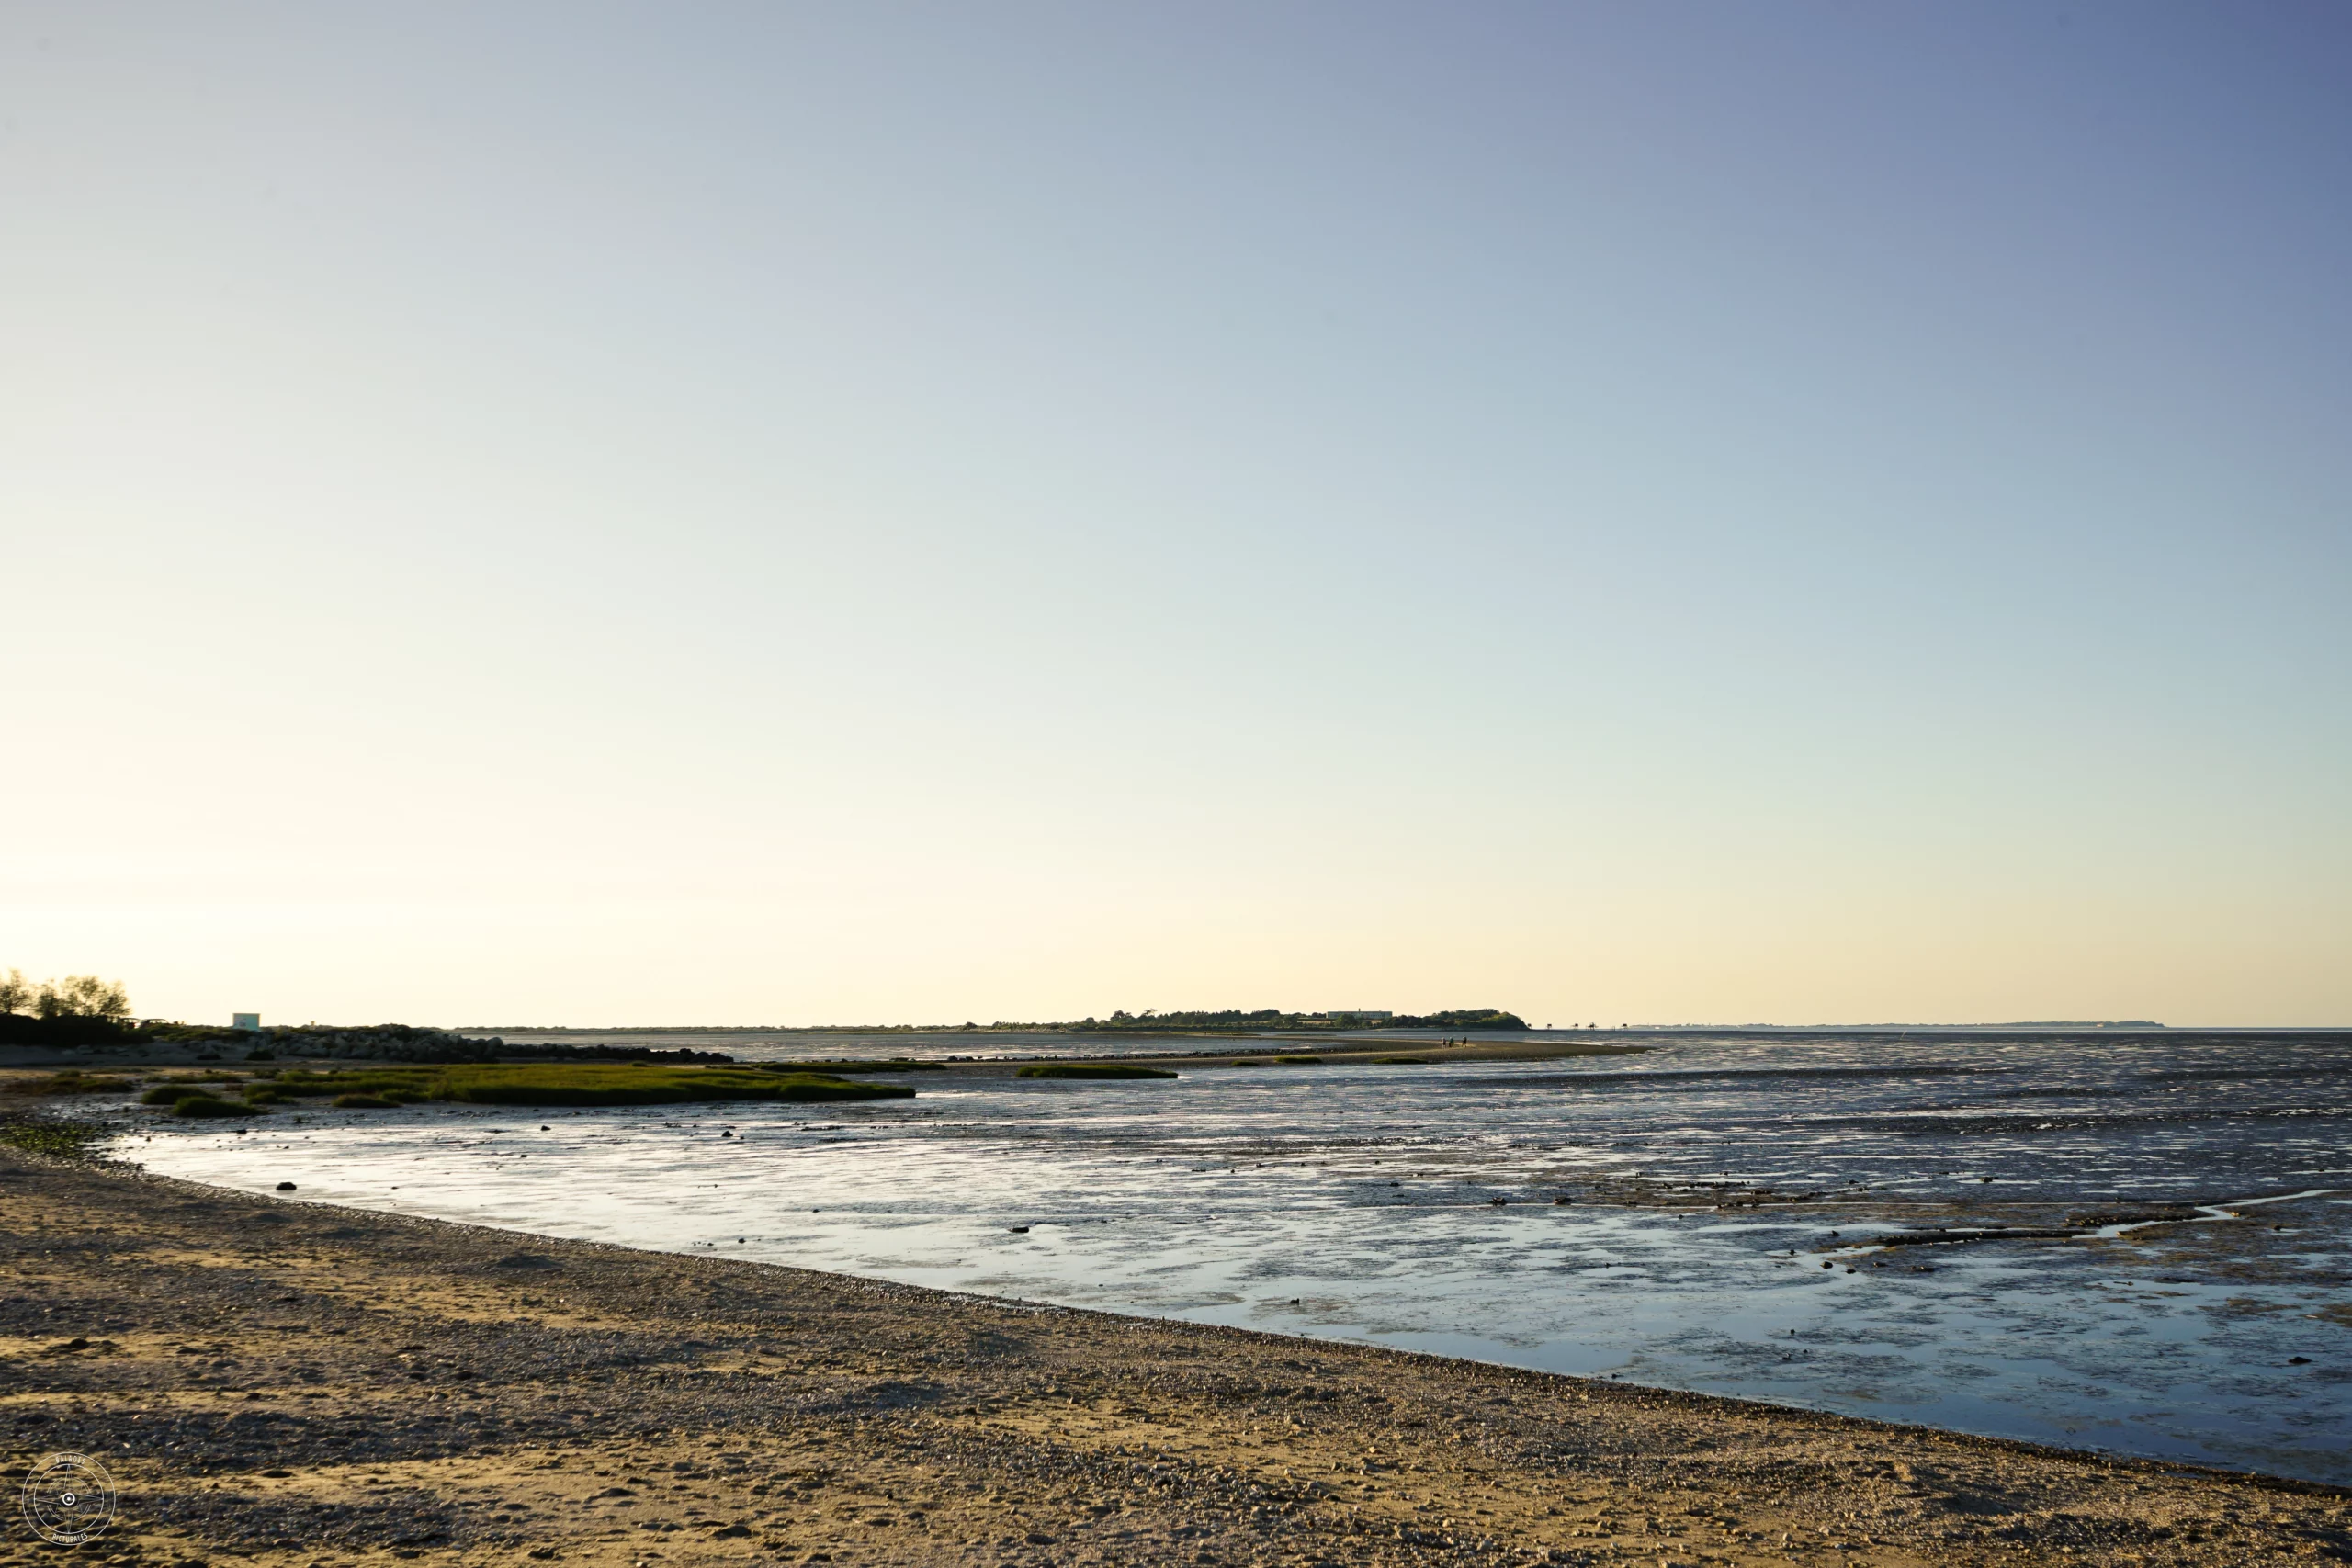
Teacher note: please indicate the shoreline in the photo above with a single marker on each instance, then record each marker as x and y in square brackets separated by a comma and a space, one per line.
[21, 1060]
[227, 1337]
[2202, 1338]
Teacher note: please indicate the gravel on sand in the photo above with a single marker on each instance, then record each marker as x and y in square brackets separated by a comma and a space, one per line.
[280, 1384]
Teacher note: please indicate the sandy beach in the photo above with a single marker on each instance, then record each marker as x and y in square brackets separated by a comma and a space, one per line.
[279, 1382]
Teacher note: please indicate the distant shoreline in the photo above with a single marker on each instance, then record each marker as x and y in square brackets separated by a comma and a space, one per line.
[1773, 1031]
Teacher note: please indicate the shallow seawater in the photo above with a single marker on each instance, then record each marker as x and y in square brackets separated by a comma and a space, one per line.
[1359, 1202]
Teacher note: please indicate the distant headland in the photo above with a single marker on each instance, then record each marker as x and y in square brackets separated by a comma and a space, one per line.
[1150, 1020]
[1234, 1020]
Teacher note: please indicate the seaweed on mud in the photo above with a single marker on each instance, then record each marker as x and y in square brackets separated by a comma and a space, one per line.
[52, 1140]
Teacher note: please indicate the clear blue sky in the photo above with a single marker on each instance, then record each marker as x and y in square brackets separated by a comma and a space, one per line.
[887, 513]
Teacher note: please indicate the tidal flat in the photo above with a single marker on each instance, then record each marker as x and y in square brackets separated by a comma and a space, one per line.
[280, 1383]
[2138, 1245]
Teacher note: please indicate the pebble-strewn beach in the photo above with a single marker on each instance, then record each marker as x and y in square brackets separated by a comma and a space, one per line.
[283, 1385]
[2140, 1245]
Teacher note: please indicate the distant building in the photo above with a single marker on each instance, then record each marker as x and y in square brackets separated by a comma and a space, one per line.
[1350, 1015]
[246, 1020]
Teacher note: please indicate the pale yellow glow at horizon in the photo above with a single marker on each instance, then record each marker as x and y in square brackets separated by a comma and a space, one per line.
[522, 518]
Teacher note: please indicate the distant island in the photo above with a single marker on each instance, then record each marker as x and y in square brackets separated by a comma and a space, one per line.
[1234, 1020]
[1228, 1021]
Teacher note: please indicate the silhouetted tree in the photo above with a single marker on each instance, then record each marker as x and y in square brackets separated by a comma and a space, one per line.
[83, 995]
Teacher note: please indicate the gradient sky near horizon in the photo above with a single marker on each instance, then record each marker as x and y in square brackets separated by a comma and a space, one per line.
[627, 514]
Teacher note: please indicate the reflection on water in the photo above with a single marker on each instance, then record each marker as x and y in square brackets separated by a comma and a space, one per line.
[1361, 1203]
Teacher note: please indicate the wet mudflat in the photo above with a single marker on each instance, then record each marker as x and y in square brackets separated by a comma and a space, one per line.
[284, 1383]
[2138, 1245]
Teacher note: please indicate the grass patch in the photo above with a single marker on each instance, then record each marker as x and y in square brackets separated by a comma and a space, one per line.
[174, 1092]
[1298, 1061]
[633, 1085]
[362, 1102]
[1090, 1070]
[301, 1083]
[568, 1083]
[73, 1080]
[1401, 1061]
[1247, 1062]
[211, 1106]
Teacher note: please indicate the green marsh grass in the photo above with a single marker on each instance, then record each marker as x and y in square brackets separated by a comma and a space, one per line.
[73, 1080]
[576, 1084]
[172, 1093]
[212, 1106]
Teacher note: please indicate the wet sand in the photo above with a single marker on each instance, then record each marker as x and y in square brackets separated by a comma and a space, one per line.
[280, 1384]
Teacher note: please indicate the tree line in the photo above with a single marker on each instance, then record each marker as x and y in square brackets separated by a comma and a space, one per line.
[76, 995]
[80, 1009]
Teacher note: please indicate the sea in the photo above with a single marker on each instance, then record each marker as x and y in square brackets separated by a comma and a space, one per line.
[2139, 1244]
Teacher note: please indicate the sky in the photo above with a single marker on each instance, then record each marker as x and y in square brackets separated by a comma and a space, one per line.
[606, 514]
